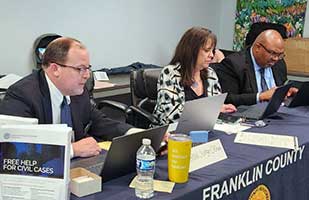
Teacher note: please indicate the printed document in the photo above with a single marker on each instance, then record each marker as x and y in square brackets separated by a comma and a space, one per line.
[34, 162]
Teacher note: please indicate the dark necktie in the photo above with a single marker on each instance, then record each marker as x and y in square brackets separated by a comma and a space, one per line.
[263, 81]
[66, 113]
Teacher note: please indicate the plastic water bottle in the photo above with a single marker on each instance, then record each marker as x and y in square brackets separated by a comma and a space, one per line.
[145, 168]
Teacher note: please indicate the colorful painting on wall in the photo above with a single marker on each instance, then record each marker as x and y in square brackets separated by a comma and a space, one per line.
[290, 13]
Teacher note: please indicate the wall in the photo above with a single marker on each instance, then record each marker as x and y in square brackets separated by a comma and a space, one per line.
[226, 23]
[117, 32]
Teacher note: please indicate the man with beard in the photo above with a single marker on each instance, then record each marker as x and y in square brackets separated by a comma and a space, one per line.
[252, 75]
[57, 94]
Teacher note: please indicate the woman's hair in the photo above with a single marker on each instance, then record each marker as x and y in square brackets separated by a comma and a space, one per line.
[187, 51]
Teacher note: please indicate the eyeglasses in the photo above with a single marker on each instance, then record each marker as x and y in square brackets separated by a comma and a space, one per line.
[272, 53]
[82, 69]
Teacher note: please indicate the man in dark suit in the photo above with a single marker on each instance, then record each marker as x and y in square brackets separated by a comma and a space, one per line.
[61, 80]
[252, 75]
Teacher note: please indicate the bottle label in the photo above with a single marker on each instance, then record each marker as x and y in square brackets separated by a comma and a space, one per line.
[145, 164]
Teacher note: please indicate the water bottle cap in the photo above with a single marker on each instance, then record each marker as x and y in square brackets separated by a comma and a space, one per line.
[146, 141]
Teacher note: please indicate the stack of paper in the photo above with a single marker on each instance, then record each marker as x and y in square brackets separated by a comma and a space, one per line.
[8, 80]
[34, 157]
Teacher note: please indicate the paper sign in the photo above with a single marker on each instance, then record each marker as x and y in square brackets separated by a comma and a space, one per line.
[266, 139]
[230, 128]
[105, 145]
[159, 186]
[206, 154]
[100, 76]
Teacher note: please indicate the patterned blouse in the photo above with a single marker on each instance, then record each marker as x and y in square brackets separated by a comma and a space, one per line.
[171, 94]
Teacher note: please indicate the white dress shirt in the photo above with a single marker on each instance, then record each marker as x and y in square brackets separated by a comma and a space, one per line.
[56, 98]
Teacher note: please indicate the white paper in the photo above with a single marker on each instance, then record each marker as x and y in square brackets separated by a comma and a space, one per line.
[30, 166]
[8, 80]
[230, 128]
[172, 127]
[206, 154]
[100, 76]
[31, 188]
[7, 119]
[265, 139]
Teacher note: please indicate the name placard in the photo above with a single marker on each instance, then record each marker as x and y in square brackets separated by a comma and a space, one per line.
[206, 154]
[266, 139]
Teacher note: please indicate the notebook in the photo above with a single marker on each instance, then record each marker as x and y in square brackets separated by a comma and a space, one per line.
[121, 156]
[200, 114]
[264, 109]
[301, 98]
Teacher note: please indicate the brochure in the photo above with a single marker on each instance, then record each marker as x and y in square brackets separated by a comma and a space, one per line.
[34, 162]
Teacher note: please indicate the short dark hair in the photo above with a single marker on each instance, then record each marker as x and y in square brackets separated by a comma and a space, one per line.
[187, 51]
[58, 49]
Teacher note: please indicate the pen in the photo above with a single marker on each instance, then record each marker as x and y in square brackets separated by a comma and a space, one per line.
[286, 82]
[87, 127]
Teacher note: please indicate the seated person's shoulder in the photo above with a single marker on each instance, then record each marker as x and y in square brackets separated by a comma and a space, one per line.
[28, 84]
[170, 69]
[27, 90]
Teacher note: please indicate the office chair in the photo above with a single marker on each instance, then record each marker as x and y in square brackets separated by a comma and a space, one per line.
[2, 91]
[40, 45]
[143, 86]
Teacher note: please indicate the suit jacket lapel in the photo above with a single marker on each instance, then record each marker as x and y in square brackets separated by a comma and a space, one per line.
[250, 71]
[47, 109]
[77, 121]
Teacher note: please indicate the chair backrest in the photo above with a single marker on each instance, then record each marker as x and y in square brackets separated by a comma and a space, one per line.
[90, 87]
[143, 84]
[40, 45]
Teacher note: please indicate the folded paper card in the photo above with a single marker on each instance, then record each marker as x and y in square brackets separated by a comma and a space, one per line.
[100, 76]
[206, 154]
[266, 139]
[159, 186]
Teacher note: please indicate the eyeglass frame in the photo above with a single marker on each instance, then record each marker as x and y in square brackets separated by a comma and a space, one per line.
[273, 54]
[81, 70]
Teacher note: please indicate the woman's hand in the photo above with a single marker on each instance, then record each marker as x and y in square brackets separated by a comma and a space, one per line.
[228, 108]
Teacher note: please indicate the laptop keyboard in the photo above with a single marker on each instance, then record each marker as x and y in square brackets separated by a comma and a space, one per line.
[250, 112]
[253, 113]
[96, 169]
[93, 164]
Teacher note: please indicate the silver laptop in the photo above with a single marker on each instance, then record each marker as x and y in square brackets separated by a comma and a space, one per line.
[200, 114]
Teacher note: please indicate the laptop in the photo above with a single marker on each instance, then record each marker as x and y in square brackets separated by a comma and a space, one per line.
[264, 109]
[200, 114]
[301, 98]
[120, 159]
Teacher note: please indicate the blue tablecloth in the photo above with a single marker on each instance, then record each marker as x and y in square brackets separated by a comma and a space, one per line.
[282, 171]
